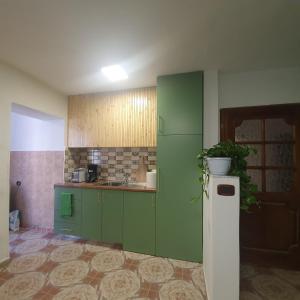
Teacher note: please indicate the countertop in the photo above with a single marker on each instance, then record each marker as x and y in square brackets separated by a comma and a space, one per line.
[135, 187]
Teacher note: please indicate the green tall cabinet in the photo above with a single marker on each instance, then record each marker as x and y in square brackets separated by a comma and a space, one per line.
[179, 104]
[178, 218]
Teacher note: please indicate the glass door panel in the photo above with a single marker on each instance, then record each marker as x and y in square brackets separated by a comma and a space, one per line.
[281, 155]
[271, 168]
[255, 159]
[279, 181]
[278, 130]
[249, 130]
[256, 177]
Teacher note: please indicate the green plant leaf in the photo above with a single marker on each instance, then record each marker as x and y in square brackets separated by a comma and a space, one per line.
[238, 154]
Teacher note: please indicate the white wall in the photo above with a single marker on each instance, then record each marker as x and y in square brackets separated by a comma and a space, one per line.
[211, 109]
[274, 86]
[18, 87]
[32, 134]
[252, 88]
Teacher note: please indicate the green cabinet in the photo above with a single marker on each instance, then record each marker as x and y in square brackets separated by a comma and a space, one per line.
[112, 216]
[109, 216]
[91, 214]
[139, 222]
[68, 224]
[179, 104]
[179, 220]
[180, 115]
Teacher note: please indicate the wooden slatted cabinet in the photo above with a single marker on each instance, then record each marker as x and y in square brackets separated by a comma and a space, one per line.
[116, 119]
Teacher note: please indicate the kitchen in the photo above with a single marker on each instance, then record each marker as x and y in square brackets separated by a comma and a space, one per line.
[122, 187]
[103, 171]
[115, 139]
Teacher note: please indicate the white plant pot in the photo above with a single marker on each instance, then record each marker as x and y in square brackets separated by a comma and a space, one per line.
[218, 165]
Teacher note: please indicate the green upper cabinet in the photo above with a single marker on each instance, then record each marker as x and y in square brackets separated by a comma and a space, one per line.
[91, 214]
[139, 222]
[178, 219]
[180, 103]
[112, 216]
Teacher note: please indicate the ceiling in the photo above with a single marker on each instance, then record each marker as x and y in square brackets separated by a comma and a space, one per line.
[32, 113]
[64, 43]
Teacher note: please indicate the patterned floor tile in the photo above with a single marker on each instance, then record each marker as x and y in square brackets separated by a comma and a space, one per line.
[81, 291]
[22, 286]
[69, 273]
[121, 284]
[156, 270]
[108, 261]
[273, 288]
[31, 246]
[46, 266]
[27, 263]
[179, 289]
[66, 253]
[32, 234]
[259, 283]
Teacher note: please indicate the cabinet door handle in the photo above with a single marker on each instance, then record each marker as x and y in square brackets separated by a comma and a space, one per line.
[160, 124]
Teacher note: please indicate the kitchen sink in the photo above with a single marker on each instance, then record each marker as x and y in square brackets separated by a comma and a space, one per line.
[110, 183]
[120, 183]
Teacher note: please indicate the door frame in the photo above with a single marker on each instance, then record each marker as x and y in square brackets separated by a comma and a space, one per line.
[232, 117]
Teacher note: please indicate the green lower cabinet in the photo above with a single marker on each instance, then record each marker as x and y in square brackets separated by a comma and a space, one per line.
[139, 222]
[112, 216]
[67, 229]
[91, 214]
[68, 224]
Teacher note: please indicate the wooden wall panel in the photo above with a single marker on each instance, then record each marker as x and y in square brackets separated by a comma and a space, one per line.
[115, 119]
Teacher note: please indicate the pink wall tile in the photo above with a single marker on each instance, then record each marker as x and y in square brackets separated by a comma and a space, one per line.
[38, 171]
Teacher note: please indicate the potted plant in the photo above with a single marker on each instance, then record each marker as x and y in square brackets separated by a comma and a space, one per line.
[236, 154]
[218, 165]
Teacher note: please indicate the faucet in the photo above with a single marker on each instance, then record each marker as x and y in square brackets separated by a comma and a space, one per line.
[126, 178]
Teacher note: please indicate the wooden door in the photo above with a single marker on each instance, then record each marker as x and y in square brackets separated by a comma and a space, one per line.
[270, 231]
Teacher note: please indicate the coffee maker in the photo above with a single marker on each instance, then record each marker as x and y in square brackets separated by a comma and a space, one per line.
[92, 173]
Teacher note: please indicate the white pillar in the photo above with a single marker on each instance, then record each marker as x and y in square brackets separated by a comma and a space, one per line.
[221, 255]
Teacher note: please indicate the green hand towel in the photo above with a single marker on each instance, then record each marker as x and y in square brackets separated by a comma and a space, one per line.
[66, 204]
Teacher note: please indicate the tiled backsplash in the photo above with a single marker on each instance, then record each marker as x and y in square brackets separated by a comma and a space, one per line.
[113, 162]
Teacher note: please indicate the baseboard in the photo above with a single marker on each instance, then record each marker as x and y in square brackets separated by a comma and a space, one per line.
[207, 291]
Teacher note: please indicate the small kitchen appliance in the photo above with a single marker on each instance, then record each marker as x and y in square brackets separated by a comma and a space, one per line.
[151, 179]
[79, 175]
[92, 173]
